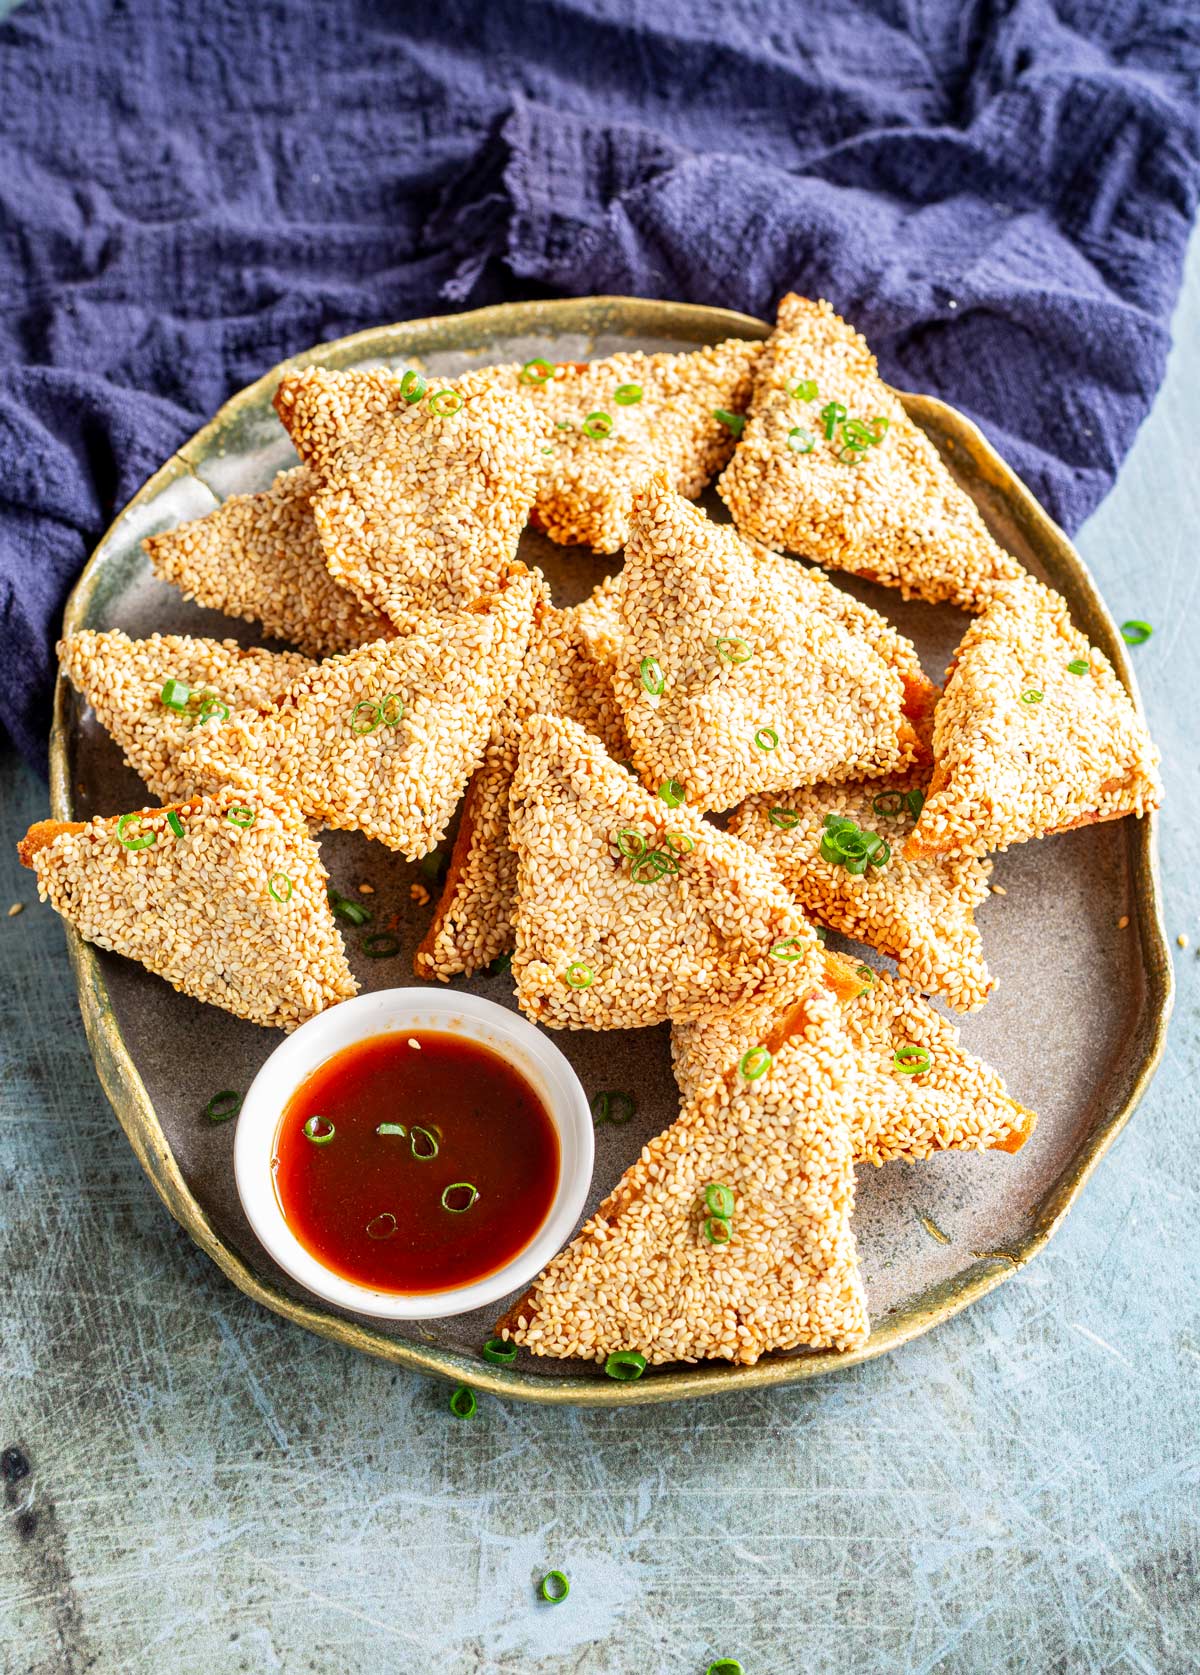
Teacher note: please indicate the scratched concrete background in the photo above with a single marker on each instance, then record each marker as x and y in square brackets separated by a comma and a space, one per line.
[193, 1486]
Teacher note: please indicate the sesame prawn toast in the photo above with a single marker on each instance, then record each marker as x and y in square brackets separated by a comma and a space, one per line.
[920, 911]
[645, 1275]
[383, 740]
[474, 920]
[259, 557]
[419, 503]
[729, 680]
[629, 912]
[225, 898]
[831, 466]
[613, 422]
[151, 693]
[1035, 733]
[921, 1092]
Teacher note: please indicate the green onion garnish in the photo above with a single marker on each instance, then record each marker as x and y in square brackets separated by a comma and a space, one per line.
[579, 976]
[1033, 696]
[716, 1231]
[767, 738]
[537, 371]
[564, 424]
[784, 818]
[175, 695]
[1135, 632]
[370, 718]
[1078, 666]
[500, 1351]
[393, 1128]
[445, 402]
[211, 707]
[857, 435]
[353, 912]
[847, 455]
[916, 802]
[889, 802]
[672, 793]
[790, 949]
[627, 395]
[867, 976]
[613, 1105]
[501, 964]
[223, 1105]
[241, 814]
[174, 822]
[463, 1403]
[598, 426]
[382, 1226]
[429, 1142]
[630, 843]
[433, 864]
[735, 423]
[625, 1364]
[554, 1587]
[279, 886]
[754, 1063]
[391, 710]
[732, 649]
[845, 844]
[718, 1200]
[725, 1666]
[140, 840]
[412, 386]
[804, 389]
[801, 441]
[831, 416]
[680, 842]
[380, 945]
[879, 427]
[458, 1188]
[911, 1061]
[319, 1130]
[652, 676]
[652, 866]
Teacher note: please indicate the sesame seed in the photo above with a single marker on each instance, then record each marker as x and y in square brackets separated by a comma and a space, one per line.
[15, 908]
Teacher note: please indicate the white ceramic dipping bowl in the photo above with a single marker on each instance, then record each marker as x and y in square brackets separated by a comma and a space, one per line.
[405, 1012]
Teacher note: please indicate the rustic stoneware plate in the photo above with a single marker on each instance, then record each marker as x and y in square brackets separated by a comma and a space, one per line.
[1076, 1027]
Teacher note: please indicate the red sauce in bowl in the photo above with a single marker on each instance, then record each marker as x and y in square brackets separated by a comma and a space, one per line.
[377, 1208]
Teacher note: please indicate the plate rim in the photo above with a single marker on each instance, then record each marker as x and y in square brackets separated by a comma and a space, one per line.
[126, 1092]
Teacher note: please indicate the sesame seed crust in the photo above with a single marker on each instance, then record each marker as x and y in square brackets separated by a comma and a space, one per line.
[259, 557]
[474, 921]
[587, 484]
[122, 679]
[398, 782]
[640, 1275]
[959, 1104]
[832, 704]
[894, 515]
[921, 912]
[679, 945]
[1008, 769]
[417, 510]
[198, 909]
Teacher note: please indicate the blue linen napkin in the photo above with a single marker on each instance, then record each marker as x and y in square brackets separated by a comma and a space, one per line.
[998, 192]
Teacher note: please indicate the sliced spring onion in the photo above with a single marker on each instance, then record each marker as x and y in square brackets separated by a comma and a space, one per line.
[754, 1063]
[223, 1105]
[370, 718]
[627, 395]
[1078, 666]
[804, 389]
[831, 416]
[879, 426]
[174, 822]
[175, 695]
[630, 843]
[554, 1587]
[672, 793]
[680, 842]
[458, 1188]
[501, 964]
[445, 402]
[725, 1666]
[653, 865]
[652, 676]
[433, 864]
[380, 945]
[412, 386]
[382, 1226]
[319, 1130]
[1033, 696]
[784, 818]
[911, 1061]
[1135, 632]
[735, 423]
[718, 1200]
[613, 1105]
[716, 1230]
[241, 814]
[625, 1364]
[463, 1402]
[393, 1128]
[428, 1148]
[916, 802]
[579, 976]
[848, 455]
[801, 441]
[500, 1351]
[856, 434]
[391, 710]
[537, 371]
[789, 950]
[767, 738]
[353, 912]
[279, 886]
[211, 707]
[732, 649]
[598, 426]
[139, 840]
[867, 977]
[889, 802]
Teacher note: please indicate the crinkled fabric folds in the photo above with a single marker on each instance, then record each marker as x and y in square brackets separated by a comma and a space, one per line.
[998, 192]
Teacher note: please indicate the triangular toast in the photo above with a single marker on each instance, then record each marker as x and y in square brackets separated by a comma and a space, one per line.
[888, 510]
[259, 557]
[730, 680]
[630, 912]
[124, 681]
[223, 896]
[1035, 733]
[643, 1274]
[383, 740]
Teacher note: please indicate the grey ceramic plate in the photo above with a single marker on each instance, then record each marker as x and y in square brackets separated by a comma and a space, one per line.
[1076, 1027]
